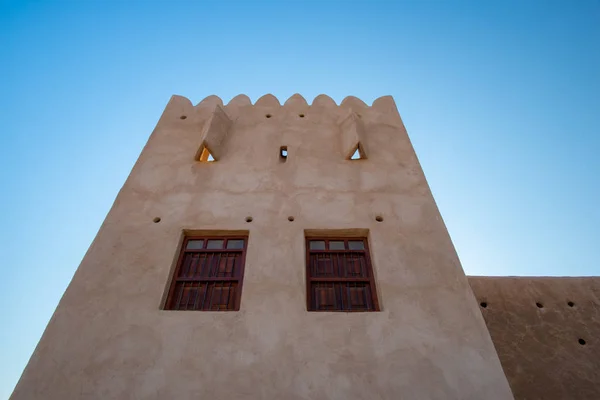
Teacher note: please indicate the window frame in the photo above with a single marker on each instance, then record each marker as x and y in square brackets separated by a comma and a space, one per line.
[370, 280]
[239, 278]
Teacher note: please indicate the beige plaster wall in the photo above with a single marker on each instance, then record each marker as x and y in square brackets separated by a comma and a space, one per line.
[539, 347]
[109, 338]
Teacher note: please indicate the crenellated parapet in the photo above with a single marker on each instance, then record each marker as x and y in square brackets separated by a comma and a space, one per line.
[214, 119]
[383, 104]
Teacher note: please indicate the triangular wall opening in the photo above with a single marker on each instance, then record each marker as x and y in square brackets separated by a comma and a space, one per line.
[206, 156]
[357, 154]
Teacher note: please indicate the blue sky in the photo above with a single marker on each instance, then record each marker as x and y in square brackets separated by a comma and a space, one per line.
[501, 100]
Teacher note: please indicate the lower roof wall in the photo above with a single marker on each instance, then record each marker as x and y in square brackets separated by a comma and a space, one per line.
[547, 352]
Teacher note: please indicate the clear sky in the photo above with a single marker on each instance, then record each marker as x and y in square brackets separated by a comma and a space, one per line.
[501, 100]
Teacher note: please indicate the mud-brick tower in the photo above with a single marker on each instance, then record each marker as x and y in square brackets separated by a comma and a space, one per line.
[268, 251]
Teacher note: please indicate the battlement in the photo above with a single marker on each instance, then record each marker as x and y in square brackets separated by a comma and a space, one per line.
[297, 101]
[353, 119]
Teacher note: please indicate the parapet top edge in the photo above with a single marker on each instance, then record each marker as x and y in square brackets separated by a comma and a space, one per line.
[271, 100]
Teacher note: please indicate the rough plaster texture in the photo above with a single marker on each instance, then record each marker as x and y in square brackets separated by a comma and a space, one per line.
[539, 347]
[109, 338]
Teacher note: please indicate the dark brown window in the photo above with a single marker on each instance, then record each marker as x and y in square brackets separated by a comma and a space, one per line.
[208, 275]
[339, 276]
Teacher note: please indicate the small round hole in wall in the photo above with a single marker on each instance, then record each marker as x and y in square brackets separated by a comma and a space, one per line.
[156, 220]
[571, 304]
[379, 218]
[539, 305]
[301, 115]
[183, 117]
[290, 218]
[268, 116]
[483, 304]
[581, 342]
[248, 219]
